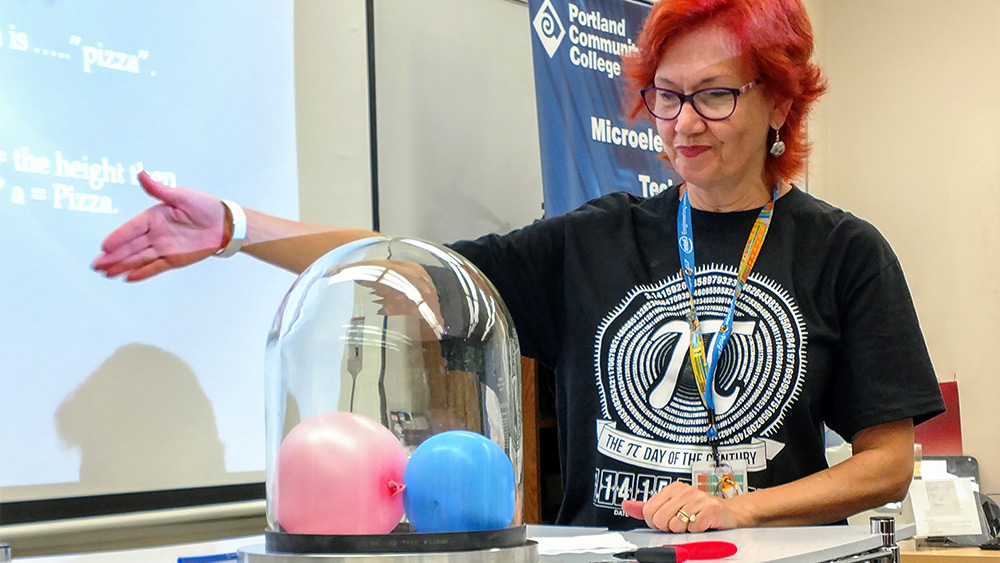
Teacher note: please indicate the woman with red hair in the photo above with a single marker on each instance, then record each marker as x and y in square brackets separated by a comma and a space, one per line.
[728, 84]
[703, 338]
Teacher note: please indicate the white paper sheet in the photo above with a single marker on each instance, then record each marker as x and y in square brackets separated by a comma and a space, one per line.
[610, 542]
[945, 507]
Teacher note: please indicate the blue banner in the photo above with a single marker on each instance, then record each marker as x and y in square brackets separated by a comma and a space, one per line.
[588, 145]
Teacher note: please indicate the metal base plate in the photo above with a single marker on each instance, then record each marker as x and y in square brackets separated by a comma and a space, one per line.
[527, 553]
[401, 540]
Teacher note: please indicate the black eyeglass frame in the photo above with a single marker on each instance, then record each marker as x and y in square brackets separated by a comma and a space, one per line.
[685, 98]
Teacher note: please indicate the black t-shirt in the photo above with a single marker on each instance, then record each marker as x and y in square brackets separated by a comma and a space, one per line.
[824, 332]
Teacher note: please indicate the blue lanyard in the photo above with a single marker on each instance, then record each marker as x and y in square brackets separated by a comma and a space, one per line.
[704, 371]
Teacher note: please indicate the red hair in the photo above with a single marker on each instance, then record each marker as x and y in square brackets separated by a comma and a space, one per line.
[776, 40]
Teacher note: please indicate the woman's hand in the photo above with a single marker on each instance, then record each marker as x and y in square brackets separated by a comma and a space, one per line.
[185, 227]
[680, 508]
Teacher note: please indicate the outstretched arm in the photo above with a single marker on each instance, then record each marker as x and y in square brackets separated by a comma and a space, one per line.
[188, 226]
[879, 471]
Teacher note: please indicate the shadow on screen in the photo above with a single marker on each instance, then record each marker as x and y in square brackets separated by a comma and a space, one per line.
[142, 422]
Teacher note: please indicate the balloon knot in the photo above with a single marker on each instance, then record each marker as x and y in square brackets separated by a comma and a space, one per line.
[395, 488]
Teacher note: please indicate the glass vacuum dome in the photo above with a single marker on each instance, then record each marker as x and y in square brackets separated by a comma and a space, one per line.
[393, 404]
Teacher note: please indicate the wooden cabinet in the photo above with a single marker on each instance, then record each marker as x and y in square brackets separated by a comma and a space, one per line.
[542, 485]
[949, 555]
[529, 418]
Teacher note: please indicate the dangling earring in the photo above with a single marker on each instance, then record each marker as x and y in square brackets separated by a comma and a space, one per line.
[778, 147]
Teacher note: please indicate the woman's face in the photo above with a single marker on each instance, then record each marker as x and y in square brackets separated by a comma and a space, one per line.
[727, 154]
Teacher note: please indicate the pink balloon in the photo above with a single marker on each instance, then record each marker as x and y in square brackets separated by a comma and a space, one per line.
[339, 473]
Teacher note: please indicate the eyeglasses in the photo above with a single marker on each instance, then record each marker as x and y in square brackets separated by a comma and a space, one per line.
[714, 104]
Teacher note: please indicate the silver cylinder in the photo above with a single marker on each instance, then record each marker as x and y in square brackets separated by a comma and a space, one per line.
[5, 556]
[885, 527]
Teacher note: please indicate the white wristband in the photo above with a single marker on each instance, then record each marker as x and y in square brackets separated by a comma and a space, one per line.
[239, 230]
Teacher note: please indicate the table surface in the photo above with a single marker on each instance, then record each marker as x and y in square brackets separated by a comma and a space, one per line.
[162, 554]
[761, 545]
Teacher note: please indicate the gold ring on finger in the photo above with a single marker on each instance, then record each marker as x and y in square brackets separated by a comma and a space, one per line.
[684, 516]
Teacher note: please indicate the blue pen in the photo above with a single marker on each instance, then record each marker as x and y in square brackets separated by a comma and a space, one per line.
[208, 558]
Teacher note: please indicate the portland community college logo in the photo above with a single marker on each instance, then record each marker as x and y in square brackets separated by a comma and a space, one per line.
[548, 27]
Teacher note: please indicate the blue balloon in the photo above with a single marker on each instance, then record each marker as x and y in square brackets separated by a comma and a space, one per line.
[459, 481]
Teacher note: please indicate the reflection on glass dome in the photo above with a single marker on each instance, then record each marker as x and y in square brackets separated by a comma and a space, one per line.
[379, 346]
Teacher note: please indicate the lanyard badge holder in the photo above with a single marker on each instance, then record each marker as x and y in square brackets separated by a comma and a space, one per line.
[723, 479]
[715, 476]
[718, 477]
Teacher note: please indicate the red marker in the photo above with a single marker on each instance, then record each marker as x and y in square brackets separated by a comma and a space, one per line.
[681, 552]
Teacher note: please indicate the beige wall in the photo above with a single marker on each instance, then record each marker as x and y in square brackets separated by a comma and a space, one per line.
[331, 101]
[908, 137]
